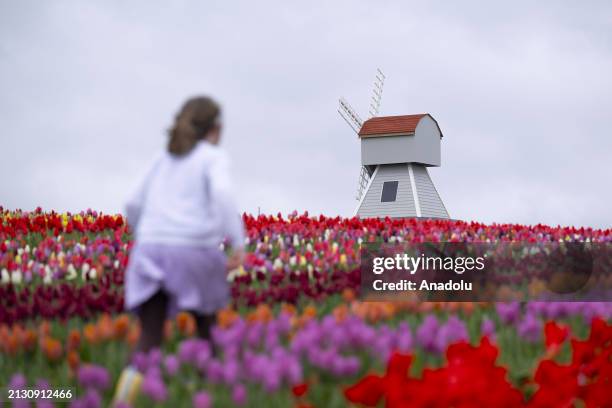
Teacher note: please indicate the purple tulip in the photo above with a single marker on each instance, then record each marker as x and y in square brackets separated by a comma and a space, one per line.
[42, 384]
[19, 403]
[508, 312]
[154, 387]
[140, 361]
[487, 328]
[189, 349]
[203, 358]
[403, 338]
[254, 334]
[293, 371]
[93, 376]
[530, 328]
[271, 380]
[454, 330]
[42, 403]
[231, 370]
[92, 399]
[345, 366]
[155, 357]
[172, 364]
[17, 381]
[239, 394]
[202, 400]
[427, 332]
[214, 371]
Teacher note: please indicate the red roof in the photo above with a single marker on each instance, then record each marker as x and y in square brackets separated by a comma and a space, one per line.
[387, 125]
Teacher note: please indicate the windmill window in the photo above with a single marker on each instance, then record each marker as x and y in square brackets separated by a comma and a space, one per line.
[389, 191]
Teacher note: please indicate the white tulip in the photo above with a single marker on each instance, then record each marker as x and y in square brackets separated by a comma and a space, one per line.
[72, 273]
[16, 277]
[6, 277]
[47, 279]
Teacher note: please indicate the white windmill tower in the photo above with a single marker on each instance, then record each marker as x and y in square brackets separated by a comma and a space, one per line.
[395, 154]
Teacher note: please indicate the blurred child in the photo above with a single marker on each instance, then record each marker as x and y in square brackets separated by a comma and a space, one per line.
[181, 213]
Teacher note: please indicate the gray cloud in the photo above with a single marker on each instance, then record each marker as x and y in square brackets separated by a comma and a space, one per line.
[522, 93]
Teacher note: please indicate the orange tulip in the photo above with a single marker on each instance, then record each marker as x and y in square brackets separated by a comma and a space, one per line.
[348, 295]
[226, 317]
[105, 327]
[121, 326]
[4, 331]
[168, 329]
[340, 312]
[18, 331]
[28, 339]
[133, 335]
[358, 309]
[52, 348]
[73, 360]
[288, 308]
[44, 329]
[468, 307]
[310, 311]
[11, 344]
[90, 331]
[185, 323]
[262, 313]
[74, 339]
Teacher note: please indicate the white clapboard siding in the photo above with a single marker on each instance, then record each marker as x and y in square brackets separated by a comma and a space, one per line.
[403, 206]
[429, 199]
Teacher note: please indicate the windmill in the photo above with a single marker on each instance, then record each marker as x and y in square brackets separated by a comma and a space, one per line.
[395, 153]
[353, 119]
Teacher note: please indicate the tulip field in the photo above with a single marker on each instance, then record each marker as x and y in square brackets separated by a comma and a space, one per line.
[296, 333]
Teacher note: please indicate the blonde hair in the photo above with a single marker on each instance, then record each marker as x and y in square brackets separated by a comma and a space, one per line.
[197, 117]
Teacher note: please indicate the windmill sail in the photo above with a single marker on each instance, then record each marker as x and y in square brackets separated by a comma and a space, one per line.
[352, 118]
[377, 91]
[349, 115]
[362, 184]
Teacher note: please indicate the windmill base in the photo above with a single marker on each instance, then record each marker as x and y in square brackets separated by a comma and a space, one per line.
[409, 193]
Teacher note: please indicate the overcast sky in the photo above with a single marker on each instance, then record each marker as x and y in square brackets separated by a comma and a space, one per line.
[523, 96]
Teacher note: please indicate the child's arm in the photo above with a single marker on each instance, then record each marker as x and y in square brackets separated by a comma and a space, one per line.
[133, 207]
[222, 195]
[136, 201]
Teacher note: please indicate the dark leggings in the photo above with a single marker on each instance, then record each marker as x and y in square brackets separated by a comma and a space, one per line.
[152, 316]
